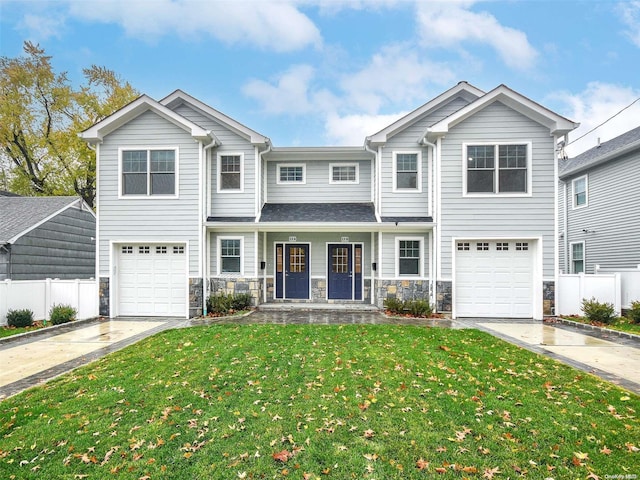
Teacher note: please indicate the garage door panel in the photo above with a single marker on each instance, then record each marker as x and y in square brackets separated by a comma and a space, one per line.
[494, 278]
[152, 280]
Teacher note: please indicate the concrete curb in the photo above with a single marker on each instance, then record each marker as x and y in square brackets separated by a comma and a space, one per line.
[599, 330]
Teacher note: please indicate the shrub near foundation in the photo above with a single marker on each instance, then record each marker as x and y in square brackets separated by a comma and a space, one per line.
[20, 318]
[634, 312]
[598, 312]
[62, 314]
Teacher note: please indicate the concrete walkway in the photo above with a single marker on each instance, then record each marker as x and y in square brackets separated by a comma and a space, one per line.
[31, 359]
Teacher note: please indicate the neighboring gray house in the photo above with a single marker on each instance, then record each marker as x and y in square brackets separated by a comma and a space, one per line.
[454, 202]
[46, 237]
[599, 203]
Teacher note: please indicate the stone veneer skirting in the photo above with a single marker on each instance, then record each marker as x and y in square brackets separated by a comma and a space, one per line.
[548, 298]
[103, 297]
[401, 289]
[195, 297]
[234, 286]
[444, 296]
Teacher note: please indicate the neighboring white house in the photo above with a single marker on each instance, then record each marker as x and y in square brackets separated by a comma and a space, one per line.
[455, 202]
[599, 206]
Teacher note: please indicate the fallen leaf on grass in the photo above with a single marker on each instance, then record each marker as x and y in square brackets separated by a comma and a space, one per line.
[421, 464]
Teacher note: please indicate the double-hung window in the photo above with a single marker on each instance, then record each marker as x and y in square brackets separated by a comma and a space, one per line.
[497, 168]
[231, 255]
[291, 173]
[230, 176]
[409, 257]
[148, 172]
[579, 187]
[577, 257]
[407, 171]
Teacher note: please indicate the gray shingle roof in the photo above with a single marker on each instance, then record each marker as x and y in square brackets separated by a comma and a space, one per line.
[406, 219]
[18, 214]
[595, 155]
[318, 212]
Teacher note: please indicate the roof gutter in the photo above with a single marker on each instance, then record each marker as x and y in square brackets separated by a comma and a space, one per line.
[376, 191]
[260, 176]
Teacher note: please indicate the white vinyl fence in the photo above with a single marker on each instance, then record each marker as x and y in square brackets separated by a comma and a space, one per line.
[629, 281]
[40, 295]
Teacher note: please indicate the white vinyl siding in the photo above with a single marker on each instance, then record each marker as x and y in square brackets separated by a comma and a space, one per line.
[228, 203]
[610, 225]
[390, 255]
[165, 219]
[318, 186]
[225, 256]
[484, 216]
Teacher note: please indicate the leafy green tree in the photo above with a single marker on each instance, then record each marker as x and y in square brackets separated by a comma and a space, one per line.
[41, 114]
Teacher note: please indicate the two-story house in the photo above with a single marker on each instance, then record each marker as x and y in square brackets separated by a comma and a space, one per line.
[598, 200]
[455, 202]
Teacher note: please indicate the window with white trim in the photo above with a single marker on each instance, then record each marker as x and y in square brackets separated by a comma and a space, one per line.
[148, 172]
[577, 257]
[230, 255]
[291, 173]
[230, 173]
[579, 189]
[406, 166]
[497, 168]
[409, 254]
[343, 173]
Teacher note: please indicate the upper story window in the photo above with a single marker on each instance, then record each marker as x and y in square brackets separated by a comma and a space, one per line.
[148, 172]
[577, 257]
[343, 173]
[291, 174]
[406, 167]
[230, 177]
[497, 168]
[579, 187]
[409, 255]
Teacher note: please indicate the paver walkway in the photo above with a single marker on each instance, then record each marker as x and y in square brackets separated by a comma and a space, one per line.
[29, 360]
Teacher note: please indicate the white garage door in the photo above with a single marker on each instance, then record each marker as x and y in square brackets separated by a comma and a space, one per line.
[152, 280]
[494, 278]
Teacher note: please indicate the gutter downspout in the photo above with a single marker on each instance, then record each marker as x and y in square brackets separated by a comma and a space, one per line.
[434, 209]
[375, 193]
[262, 178]
[204, 179]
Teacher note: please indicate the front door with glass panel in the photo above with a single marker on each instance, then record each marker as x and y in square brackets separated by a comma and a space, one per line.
[292, 271]
[345, 272]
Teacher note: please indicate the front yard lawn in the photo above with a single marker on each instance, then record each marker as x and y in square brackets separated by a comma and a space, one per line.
[321, 402]
[10, 331]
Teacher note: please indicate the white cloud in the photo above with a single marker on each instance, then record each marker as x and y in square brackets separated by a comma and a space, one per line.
[291, 93]
[593, 106]
[42, 27]
[276, 26]
[397, 73]
[450, 24]
[630, 13]
[352, 129]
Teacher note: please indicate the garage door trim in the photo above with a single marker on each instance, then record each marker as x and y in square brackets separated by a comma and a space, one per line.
[114, 276]
[535, 244]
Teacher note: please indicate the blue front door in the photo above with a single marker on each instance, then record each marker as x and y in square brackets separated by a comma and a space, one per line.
[341, 279]
[296, 261]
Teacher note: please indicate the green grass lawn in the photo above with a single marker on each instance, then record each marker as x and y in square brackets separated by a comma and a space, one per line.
[10, 331]
[316, 402]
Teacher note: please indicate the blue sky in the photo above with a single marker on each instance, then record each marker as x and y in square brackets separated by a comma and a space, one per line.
[330, 72]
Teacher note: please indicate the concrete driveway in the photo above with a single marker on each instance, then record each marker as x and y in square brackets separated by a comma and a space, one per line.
[32, 359]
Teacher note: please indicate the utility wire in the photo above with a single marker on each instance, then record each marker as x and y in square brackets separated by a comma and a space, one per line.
[610, 118]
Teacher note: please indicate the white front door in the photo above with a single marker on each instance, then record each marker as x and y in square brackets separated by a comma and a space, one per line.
[151, 280]
[494, 278]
